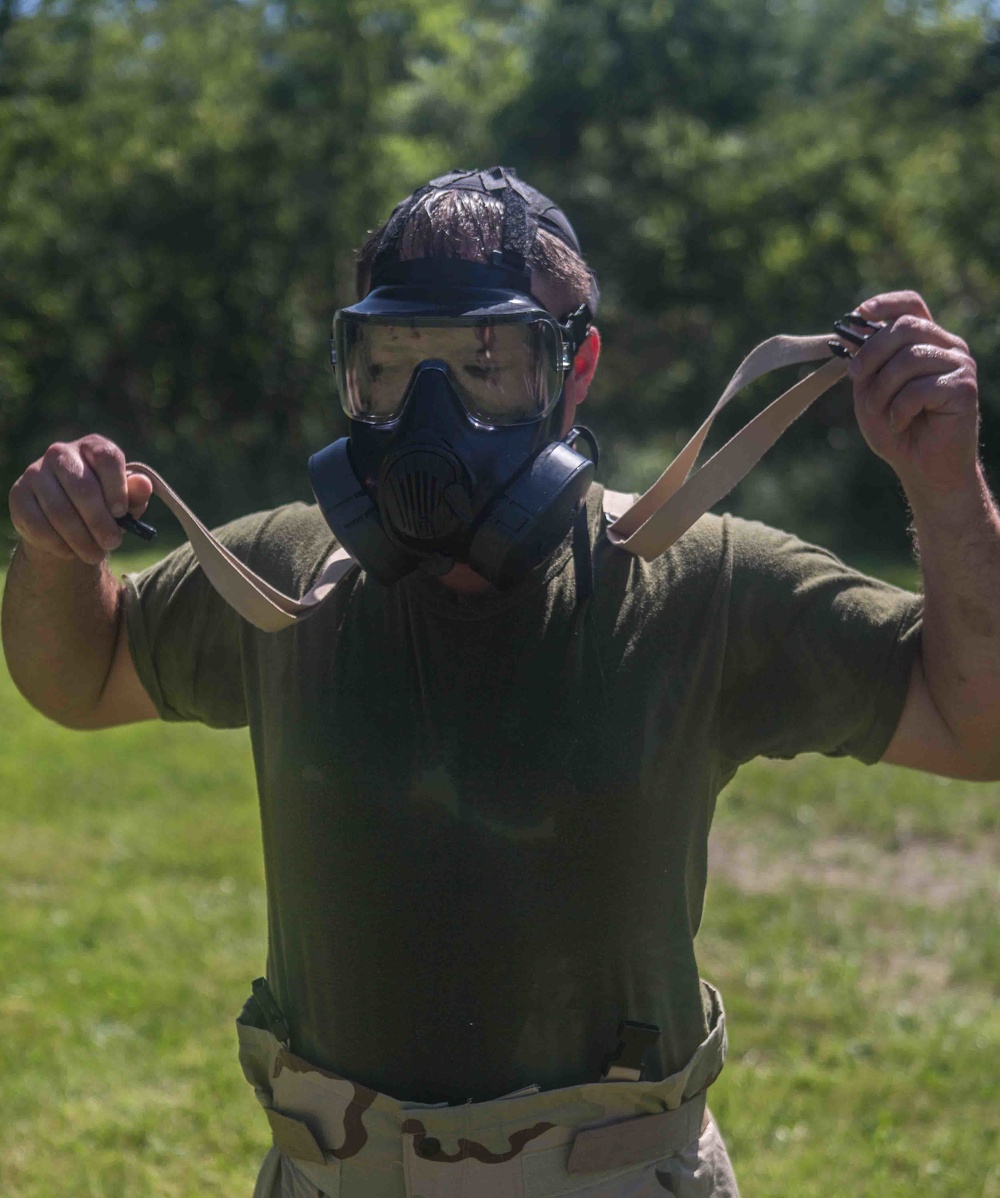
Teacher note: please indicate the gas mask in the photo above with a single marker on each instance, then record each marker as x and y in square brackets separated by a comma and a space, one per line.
[452, 375]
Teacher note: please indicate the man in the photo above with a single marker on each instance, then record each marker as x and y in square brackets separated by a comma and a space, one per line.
[488, 761]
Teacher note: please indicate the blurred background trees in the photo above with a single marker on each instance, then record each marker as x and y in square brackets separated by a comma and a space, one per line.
[183, 183]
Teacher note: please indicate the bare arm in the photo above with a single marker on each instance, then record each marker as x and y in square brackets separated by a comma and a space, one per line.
[63, 627]
[916, 399]
[951, 721]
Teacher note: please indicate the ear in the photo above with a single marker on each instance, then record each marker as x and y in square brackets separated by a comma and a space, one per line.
[584, 365]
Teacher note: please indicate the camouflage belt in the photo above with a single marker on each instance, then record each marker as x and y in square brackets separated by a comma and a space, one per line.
[531, 1142]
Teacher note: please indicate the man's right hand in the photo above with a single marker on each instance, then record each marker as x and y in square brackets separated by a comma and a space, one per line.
[65, 503]
[63, 634]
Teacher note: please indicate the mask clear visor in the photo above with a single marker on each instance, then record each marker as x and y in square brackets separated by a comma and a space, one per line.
[504, 372]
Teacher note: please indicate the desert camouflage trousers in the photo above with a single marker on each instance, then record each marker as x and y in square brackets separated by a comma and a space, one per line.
[334, 1138]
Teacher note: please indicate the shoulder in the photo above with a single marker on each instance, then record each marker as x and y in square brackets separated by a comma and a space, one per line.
[286, 545]
[293, 530]
[725, 554]
[297, 524]
[785, 586]
[760, 545]
[772, 560]
[691, 577]
[704, 548]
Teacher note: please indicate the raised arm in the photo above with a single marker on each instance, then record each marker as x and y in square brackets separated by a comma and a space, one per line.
[63, 627]
[917, 404]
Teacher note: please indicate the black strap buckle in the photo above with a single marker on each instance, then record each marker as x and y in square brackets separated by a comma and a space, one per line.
[269, 1008]
[576, 325]
[634, 1041]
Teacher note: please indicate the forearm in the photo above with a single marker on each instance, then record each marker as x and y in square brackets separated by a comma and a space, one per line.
[60, 627]
[958, 540]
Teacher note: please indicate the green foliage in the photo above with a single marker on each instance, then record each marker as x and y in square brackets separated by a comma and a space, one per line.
[743, 168]
[184, 183]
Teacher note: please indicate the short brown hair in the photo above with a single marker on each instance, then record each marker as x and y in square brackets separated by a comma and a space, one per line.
[469, 225]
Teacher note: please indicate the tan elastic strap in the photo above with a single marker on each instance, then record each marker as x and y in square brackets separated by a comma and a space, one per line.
[256, 600]
[675, 501]
[647, 528]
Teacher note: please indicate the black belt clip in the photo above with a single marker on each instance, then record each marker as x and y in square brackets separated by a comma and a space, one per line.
[634, 1041]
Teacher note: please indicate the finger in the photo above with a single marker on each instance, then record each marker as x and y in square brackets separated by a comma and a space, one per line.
[140, 489]
[65, 519]
[895, 303]
[107, 462]
[904, 331]
[916, 361]
[84, 491]
[933, 394]
[32, 525]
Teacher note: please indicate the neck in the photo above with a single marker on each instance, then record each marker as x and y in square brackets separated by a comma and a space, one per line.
[465, 581]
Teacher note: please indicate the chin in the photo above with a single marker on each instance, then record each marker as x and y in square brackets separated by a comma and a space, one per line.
[465, 580]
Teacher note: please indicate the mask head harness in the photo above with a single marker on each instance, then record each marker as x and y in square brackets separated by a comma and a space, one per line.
[452, 373]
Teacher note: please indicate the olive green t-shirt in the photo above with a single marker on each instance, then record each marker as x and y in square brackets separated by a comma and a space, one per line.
[485, 818]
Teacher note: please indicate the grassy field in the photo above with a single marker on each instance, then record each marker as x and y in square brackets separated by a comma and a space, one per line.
[851, 925]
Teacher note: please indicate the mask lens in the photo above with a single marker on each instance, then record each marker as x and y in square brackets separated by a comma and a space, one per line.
[374, 366]
[504, 373]
[507, 373]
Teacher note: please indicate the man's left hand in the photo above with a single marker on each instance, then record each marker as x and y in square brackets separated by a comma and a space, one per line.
[915, 395]
[916, 401]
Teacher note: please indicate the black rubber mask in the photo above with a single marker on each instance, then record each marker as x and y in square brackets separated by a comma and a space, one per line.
[452, 376]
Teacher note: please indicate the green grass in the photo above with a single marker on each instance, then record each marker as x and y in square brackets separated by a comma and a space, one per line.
[851, 924]
[860, 961]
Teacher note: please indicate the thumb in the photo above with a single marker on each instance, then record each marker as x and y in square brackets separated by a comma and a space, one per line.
[139, 491]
